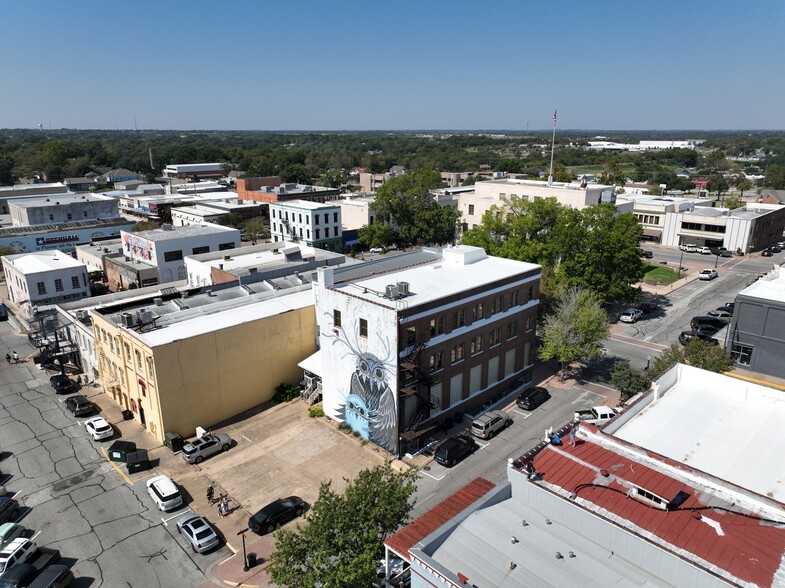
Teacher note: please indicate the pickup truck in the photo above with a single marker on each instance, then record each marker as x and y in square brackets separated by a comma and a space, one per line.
[599, 415]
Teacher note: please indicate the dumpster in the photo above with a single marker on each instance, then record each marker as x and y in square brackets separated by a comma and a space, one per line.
[137, 461]
[120, 449]
[174, 442]
[127, 415]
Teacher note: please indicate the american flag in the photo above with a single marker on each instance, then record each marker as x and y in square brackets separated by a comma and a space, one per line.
[554, 118]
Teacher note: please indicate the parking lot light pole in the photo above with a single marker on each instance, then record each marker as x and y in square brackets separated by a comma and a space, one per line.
[648, 362]
[716, 259]
[245, 557]
[681, 257]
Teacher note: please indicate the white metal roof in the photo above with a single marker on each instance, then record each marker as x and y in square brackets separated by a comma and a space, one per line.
[42, 261]
[767, 288]
[180, 232]
[720, 425]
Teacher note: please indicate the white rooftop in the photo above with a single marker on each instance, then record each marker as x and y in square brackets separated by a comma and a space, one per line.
[729, 428]
[42, 261]
[770, 287]
[304, 204]
[59, 199]
[461, 268]
[181, 232]
[199, 211]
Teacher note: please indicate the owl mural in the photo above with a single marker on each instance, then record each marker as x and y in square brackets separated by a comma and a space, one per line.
[369, 406]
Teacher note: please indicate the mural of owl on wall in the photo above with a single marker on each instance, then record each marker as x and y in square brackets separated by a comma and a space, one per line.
[369, 406]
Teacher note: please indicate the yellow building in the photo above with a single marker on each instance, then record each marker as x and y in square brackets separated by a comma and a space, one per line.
[182, 362]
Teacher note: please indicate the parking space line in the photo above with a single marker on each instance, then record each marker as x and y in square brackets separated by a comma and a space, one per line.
[433, 477]
[481, 445]
[114, 465]
[179, 514]
[525, 415]
[232, 549]
[147, 475]
[34, 536]
[246, 438]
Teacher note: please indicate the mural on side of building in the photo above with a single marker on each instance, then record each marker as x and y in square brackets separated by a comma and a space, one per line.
[368, 404]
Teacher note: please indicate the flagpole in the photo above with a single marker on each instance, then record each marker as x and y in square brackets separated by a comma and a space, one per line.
[553, 141]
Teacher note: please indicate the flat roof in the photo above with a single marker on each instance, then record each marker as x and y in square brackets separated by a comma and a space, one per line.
[717, 424]
[59, 199]
[42, 261]
[262, 256]
[198, 210]
[98, 223]
[770, 287]
[180, 232]
[544, 184]
[304, 204]
[440, 272]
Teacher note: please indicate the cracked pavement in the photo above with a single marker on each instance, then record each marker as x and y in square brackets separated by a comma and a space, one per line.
[109, 530]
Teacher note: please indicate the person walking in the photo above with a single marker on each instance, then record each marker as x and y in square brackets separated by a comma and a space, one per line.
[8, 357]
[226, 505]
[16, 357]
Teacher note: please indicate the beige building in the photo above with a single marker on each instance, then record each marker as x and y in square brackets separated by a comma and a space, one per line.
[356, 211]
[181, 361]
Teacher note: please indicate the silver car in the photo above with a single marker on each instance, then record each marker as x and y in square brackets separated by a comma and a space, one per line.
[197, 532]
[205, 446]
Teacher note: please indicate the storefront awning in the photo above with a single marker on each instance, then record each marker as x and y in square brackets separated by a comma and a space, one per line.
[650, 232]
[313, 363]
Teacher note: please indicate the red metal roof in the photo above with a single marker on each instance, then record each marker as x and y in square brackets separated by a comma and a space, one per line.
[423, 526]
[748, 549]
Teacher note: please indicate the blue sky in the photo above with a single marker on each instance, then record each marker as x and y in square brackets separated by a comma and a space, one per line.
[335, 65]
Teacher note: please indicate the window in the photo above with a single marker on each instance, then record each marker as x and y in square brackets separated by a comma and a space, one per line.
[41, 288]
[307, 233]
[437, 326]
[173, 255]
[317, 232]
[477, 312]
[741, 354]
[456, 353]
[51, 217]
[326, 218]
[58, 285]
[203, 249]
[138, 358]
[494, 337]
[326, 232]
[363, 328]
[300, 218]
[336, 319]
[528, 323]
[497, 305]
[224, 247]
[471, 209]
[514, 298]
[411, 335]
[435, 362]
[127, 352]
[475, 346]
[531, 292]
[69, 216]
[458, 319]
[512, 329]
[316, 220]
[335, 217]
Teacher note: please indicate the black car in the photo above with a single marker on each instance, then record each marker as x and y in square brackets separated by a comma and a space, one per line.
[685, 336]
[454, 449]
[9, 509]
[707, 323]
[729, 306]
[19, 576]
[62, 384]
[276, 514]
[766, 253]
[647, 307]
[725, 252]
[775, 248]
[533, 398]
[647, 254]
[79, 405]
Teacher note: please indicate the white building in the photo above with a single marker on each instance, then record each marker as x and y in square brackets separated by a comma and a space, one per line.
[356, 211]
[61, 208]
[312, 223]
[682, 489]
[194, 170]
[195, 215]
[651, 211]
[43, 278]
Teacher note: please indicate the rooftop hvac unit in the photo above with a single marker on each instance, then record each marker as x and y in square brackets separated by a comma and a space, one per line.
[128, 319]
[391, 291]
[158, 301]
[145, 316]
[403, 288]
[81, 315]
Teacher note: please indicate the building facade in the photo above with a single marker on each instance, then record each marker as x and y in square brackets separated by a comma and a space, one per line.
[311, 223]
[64, 237]
[44, 278]
[271, 189]
[402, 351]
[194, 170]
[61, 208]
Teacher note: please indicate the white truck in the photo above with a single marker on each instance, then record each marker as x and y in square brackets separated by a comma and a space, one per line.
[598, 415]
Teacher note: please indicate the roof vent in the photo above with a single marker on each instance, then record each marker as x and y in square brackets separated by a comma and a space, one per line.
[128, 319]
[649, 498]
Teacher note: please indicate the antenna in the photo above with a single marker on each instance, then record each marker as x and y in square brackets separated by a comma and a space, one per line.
[136, 128]
[151, 159]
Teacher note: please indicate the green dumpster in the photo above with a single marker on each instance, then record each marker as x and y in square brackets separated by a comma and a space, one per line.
[174, 442]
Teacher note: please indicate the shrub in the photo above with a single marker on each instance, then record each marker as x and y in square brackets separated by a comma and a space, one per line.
[285, 392]
[316, 411]
[344, 427]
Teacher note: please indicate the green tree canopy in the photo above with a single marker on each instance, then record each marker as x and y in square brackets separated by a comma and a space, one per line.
[344, 534]
[575, 329]
[696, 353]
[628, 381]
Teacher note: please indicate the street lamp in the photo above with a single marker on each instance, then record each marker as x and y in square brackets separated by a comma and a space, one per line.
[648, 362]
[246, 567]
[681, 257]
[717, 258]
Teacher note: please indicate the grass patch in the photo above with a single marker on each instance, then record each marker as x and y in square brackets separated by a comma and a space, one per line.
[660, 275]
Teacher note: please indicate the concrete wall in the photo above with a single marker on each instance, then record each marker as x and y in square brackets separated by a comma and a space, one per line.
[56, 212]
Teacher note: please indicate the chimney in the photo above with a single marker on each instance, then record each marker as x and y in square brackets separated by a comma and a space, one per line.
[326, 277]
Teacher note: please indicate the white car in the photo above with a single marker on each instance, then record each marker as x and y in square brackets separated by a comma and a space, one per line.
[164, 492]
[704, 250]
[99, 428]
[708, 274]
[631, 315]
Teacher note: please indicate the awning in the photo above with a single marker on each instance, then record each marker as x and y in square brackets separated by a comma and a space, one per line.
[313, 363]
[650, 232]
[352, 242]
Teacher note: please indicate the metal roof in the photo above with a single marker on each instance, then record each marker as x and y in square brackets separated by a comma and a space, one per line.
[384, 265]
[98, 223]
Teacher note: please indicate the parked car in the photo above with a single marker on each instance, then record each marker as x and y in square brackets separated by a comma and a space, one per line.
[685, 336]
[55, 576]
[275, 514]
[164, 493]
[775, 248]
[645, 253]
[62, 384]
[725, 252]
[16, 552]
[9, 509]
[707, 324]
[99, 428]
[24, 574]
[722, 313]
[729, 306]
[454, 449]
[597, 416]
[688, 247]
[707, 274]
[487, 425]
[197, 532]
[704, 250]
[9, 532]
[19, 576]
[647, 306]
[766, 253]
[205, 446]
[532, 398]
[79, 405]
[631, 315]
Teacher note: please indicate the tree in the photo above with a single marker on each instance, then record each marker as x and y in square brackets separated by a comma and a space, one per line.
[733, 202]
[344, 534]
[665, 361]
[575, 329]
[697, 353]
[612, 176]
[255, 229]
[5, 250]
[145, 226]
[628, 381]
[742, 185]
[717, 183]
[6, 170]
[232, 219]
[378, 235]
